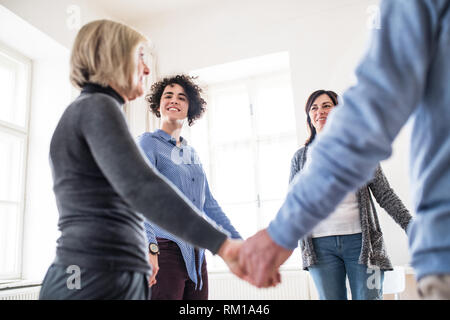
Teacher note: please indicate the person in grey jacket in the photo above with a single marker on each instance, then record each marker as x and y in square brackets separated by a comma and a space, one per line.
[350, 241]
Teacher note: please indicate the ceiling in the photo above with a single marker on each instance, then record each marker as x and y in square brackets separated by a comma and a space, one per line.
[133, 11]
[129, 10]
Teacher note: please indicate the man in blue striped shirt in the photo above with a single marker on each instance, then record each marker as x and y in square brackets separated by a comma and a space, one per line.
[182, 268]
[404, 75]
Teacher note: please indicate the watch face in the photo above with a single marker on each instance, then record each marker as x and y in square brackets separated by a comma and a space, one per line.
[154, 248]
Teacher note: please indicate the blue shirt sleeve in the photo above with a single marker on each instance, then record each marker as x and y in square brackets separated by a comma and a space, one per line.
[215, 212]
[359, 133]
[148, 147]
[150, 232]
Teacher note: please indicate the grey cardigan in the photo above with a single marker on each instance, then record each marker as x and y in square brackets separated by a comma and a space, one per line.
[373, 252]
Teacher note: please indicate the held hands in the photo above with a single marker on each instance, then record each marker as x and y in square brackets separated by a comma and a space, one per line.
[260, 257]
[256, 260]
[229, 252]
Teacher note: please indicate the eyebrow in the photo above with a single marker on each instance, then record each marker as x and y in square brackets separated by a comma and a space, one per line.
[315, 104]
[180, 94]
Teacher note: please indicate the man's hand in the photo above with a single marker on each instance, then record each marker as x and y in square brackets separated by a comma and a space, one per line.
[153, 259]
[259, 260]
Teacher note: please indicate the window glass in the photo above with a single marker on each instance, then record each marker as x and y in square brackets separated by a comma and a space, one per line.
[249, 138]
[11, 166]
[15, 71]
[274, 114]
[234, 174]
[231, 119]
[9, 213]
[14, 85]
[274, 158]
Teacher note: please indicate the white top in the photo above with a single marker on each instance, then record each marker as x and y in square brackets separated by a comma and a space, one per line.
[343, 220]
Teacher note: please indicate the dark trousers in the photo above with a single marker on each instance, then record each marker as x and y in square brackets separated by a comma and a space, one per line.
[63, 283]
[172, 279]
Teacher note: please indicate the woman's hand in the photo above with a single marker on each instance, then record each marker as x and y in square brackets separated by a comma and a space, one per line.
[229, 252]
[153, 259]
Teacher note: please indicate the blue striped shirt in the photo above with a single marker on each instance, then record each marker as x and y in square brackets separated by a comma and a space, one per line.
[181, 165]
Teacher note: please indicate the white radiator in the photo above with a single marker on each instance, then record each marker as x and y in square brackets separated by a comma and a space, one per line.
[295, 285]
[30, 293]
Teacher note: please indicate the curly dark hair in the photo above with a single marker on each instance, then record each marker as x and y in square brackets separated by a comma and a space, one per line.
[197, 106]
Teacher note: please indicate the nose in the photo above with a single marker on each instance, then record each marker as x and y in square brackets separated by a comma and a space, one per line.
[146, 69]
[322, 112]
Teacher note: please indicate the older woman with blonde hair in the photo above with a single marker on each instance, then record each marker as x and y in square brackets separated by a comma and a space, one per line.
[102, 181]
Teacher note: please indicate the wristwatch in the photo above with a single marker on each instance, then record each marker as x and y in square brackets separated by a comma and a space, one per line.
[153, 248]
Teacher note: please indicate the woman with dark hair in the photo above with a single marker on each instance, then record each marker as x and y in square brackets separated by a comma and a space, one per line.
[349, 243]
[331, 100]
[101, 180]
[182, 271]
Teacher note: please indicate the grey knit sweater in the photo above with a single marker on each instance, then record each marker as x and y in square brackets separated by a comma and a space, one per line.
[373, 252]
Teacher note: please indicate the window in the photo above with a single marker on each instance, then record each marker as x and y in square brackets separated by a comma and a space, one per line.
[15, 73]
[246, 141]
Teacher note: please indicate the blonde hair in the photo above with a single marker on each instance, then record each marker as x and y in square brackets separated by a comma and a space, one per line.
[105, 52]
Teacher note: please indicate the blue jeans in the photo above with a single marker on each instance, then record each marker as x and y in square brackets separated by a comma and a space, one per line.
[337, 257]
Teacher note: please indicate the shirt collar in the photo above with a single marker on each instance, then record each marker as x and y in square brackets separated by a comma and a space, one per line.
[93, 88]
[169, 138]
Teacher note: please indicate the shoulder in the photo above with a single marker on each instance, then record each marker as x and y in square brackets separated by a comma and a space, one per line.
[97, 105]
[98, 113]
[299, 154]
[146, 140]
[378, 174]
[192, 149]
[96, 100]
[379, 179]
[194, 155]
[146, 136]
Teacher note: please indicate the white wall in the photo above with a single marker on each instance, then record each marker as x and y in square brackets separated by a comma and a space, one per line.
[325, 40]
[58, 19]
[51, 92]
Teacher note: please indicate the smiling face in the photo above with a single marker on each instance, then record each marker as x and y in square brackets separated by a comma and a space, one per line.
[174, 103]
[319, 111]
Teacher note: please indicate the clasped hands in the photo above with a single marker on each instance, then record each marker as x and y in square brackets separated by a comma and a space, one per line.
[255, 260]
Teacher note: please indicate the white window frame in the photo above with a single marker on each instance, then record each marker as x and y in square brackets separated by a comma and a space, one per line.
[250, 83]
[21, 132]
